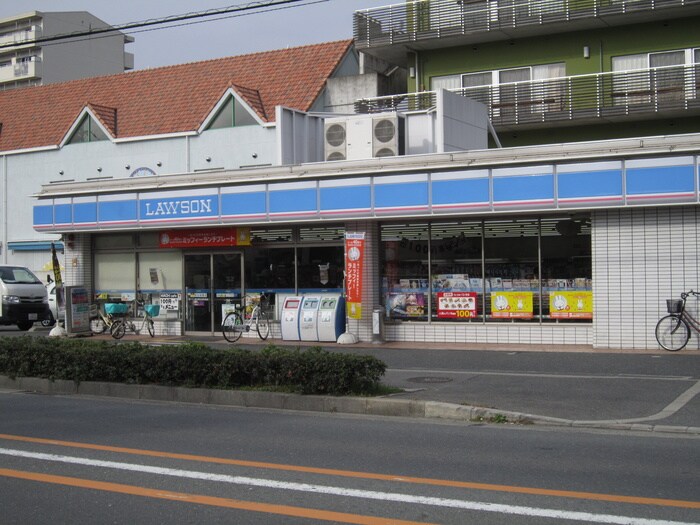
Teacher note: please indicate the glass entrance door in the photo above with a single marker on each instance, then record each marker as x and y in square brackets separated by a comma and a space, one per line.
[213, 283]
[226, 284]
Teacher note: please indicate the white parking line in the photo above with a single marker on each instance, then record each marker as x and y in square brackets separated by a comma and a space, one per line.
[346, 492]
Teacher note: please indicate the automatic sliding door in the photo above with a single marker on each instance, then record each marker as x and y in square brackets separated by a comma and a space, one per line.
[212, 281]
[198, 293]
[226, 284]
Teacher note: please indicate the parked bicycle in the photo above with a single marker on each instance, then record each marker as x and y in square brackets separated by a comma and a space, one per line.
[234, 324]
[122, 324]
[673, 330]
[99, 321]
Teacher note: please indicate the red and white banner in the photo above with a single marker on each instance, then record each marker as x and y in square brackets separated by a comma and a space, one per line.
[205, 237]
[456, 305]
[354, 255]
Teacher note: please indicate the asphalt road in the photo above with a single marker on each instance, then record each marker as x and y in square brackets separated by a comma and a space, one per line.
[114, 461]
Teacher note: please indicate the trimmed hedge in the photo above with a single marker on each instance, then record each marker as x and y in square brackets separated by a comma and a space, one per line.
[312, 371]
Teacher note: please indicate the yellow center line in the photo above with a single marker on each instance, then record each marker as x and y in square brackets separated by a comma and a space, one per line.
[183, 497]
[366, 475]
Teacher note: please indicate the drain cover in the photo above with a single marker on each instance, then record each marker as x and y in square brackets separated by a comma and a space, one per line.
[429, 380]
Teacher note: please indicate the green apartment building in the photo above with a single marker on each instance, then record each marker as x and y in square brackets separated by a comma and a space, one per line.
[549, 70]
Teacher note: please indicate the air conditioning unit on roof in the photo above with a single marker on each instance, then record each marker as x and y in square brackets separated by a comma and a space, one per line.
[387, 135]
[363, 137]
[335, 140]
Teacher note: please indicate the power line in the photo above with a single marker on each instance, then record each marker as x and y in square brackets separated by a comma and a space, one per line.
[184, 24]
[156, 21]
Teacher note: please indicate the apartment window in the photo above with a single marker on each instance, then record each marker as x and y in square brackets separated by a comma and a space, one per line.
[521, 74]
[477, 79]
[506, 91]
[657, 77]
[446, 82]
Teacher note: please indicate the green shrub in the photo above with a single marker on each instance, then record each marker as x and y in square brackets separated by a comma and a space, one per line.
[311, 371]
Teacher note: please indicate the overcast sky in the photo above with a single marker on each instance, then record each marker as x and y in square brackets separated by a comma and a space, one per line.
[298, 25]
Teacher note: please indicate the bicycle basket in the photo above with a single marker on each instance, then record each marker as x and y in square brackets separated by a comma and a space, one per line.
[152, 309]
[116, 308]
[674, 306]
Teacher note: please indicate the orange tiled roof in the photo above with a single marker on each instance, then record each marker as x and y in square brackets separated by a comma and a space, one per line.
[169, 99]
[107, 116]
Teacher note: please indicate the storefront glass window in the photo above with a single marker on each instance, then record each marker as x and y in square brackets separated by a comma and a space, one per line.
[512, 283]
[405, 254]
[321, 234]
[269, 269]
[149, 240]
[566, 269]
[456, 274]
[320, 269]
[270, 235]
[160, 274]
[113, 241]
[274, 265]
[533, 269]
[115, 276]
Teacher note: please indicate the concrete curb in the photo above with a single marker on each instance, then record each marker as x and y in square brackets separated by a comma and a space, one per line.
[375, 406]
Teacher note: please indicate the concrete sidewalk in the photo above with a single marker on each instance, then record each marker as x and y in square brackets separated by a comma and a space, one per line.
[575, 386]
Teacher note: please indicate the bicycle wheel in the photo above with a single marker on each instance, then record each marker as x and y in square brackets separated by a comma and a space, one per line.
[118, 329]
[672, 333]
[97, 325]
[263, 326]
[232, 327]
[151, 327]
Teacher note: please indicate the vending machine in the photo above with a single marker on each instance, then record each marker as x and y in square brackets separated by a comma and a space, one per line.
[290, 318]
[331, 318]
[308, 325]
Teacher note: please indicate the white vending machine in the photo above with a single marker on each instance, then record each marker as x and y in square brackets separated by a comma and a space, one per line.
[331, 318]
[308, 326]
[290, 318]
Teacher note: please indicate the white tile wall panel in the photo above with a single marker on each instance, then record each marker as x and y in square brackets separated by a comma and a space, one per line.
[640, 258]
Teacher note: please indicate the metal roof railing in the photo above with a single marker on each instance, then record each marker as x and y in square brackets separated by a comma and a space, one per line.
[422, 20]
[640, 93]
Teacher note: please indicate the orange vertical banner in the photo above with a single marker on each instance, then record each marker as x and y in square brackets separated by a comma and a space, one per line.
[354, 255]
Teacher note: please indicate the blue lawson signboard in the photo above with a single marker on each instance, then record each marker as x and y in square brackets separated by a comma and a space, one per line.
[535, 188]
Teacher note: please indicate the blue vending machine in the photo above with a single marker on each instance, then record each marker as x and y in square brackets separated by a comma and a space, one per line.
[331, 318]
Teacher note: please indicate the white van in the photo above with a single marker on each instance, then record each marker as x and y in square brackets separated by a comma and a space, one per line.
[56, 311]
[23, 297]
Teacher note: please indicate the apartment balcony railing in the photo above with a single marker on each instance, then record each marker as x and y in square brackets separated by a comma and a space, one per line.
[20, 71]
[21, 36]
[639, 94]
[424, 20]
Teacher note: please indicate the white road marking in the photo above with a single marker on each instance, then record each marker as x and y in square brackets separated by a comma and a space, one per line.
[346, 492]
[643, 377]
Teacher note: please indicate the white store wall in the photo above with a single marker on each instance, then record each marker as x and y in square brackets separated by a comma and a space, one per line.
[642, 257]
